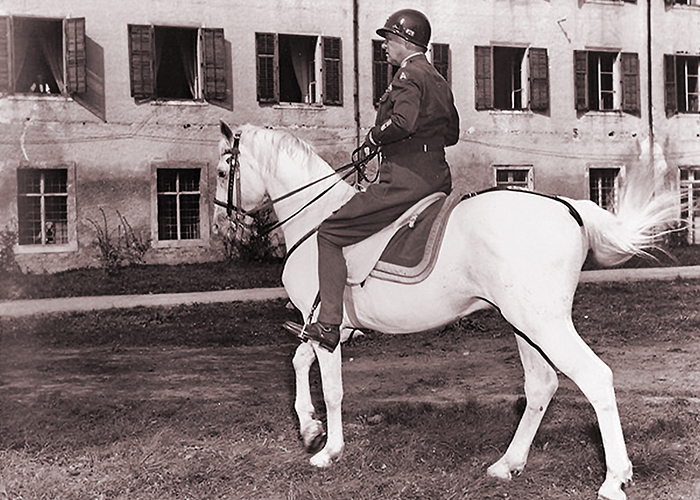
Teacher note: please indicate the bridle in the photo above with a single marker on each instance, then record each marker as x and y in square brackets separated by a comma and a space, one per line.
[234, 183]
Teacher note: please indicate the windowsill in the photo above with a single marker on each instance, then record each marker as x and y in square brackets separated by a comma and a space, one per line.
[610, 112]
[299, 105]
[36, 249]
[178, 243]
[39, 97]
[683, 6]
[510, 112]
[178, 102]
[610, 2]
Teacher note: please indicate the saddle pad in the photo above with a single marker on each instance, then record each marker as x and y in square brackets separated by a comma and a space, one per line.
[362, 257]
[416, 263]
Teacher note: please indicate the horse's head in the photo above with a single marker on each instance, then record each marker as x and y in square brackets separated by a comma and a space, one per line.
[240, 187]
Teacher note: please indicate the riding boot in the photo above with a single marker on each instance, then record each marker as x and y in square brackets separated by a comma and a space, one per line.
[327, 336]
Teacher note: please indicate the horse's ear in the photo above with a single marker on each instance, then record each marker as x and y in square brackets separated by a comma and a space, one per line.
[226, 131]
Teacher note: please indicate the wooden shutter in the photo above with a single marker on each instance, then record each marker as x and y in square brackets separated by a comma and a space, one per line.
[381, 74]
[581, 79]
[141, 56]
[539, 79]
[441, 59]
[483, 77]
[5, 73]
[268, 81]
[214, 64]
[630, 83]
[75, 54]
[6, 85]
[332, 71]
[671, 96]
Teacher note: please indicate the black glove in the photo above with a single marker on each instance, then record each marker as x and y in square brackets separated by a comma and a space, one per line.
[364, 153]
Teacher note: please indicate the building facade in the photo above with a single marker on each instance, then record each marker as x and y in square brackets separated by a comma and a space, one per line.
[109, 112]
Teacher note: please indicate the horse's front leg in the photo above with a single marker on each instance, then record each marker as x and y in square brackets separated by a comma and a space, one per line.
[330, 365]
[310, 428]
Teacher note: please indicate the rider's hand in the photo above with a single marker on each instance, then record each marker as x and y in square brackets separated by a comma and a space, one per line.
[361, 154]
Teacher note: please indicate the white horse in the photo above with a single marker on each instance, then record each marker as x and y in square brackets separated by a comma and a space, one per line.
[518, 252]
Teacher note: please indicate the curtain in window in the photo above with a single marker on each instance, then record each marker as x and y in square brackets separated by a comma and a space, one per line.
[302, 54]
[22, 37]
[187, 56]
[52, 49]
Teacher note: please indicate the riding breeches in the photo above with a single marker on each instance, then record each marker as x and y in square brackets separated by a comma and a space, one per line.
[367, 213]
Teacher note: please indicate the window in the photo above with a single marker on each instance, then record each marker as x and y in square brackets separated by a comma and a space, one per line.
[514, 176]
[42, 56]
[177, 63]
[681, 84]
[289, 68]
[603, 187]
[607, 81]
[683, 2]
[382, 71]
[42, 206]
[178, 204]
[440, 53]
[690, 208]
[511, 78]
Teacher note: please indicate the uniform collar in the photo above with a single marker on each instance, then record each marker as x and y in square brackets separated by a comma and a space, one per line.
[405, 61]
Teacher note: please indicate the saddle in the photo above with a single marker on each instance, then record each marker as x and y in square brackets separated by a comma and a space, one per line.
[405, 251]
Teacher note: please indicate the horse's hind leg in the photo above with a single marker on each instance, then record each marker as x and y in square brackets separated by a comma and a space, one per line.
[540, 385]
[311, 429]
[567, 351]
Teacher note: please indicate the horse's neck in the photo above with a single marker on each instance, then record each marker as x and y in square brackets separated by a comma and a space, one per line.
[291, 177]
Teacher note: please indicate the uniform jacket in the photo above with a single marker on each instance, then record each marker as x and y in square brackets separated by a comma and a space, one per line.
[418, 106]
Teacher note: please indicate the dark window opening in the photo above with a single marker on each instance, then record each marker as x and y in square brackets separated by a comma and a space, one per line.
[297, 68]
[603, 187]
[38, 55]
[507, 77]
[178, 204]
[42, 206]
[601, 82]
[176, 74]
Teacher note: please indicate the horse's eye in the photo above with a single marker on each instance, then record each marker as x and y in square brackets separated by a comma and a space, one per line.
[222, 174]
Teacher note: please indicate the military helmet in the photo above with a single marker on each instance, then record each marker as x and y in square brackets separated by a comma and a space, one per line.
[410, 25]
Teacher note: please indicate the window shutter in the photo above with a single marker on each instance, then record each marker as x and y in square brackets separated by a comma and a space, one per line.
[5, 73]
[670, 84]
[539, 79]
[332, 71]
[214, 64]
[141, 54]
[441, 59]
[630, 83]
[581, 79]
[267, 67]
[75, 53]
[483, 77]
[381, 74]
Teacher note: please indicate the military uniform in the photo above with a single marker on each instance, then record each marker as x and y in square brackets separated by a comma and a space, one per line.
[416, 119]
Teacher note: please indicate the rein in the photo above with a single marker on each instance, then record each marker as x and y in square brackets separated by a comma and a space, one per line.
[235, 182]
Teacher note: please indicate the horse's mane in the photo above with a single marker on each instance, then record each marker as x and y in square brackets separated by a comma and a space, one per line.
[271, 143]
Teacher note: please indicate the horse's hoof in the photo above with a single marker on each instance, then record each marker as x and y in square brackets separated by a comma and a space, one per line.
[500, 470]
[317, 443]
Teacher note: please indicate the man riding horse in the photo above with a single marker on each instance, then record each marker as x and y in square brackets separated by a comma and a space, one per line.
[416, 119]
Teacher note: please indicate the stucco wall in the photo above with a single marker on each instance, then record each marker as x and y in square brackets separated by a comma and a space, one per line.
[113, 158]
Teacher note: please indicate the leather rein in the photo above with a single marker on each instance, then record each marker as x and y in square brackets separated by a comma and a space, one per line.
[234, 184]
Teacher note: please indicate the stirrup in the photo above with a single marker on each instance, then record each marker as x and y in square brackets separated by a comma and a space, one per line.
[296, 329]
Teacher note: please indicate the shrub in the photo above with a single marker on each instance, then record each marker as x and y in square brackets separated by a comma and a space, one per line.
[257, 244]
[125, 249]
[8, 263]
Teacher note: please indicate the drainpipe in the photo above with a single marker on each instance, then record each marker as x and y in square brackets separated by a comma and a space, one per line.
[356, 69]
[650, 106]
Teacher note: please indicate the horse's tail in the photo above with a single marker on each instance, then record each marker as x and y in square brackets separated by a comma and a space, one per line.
[636, 227]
